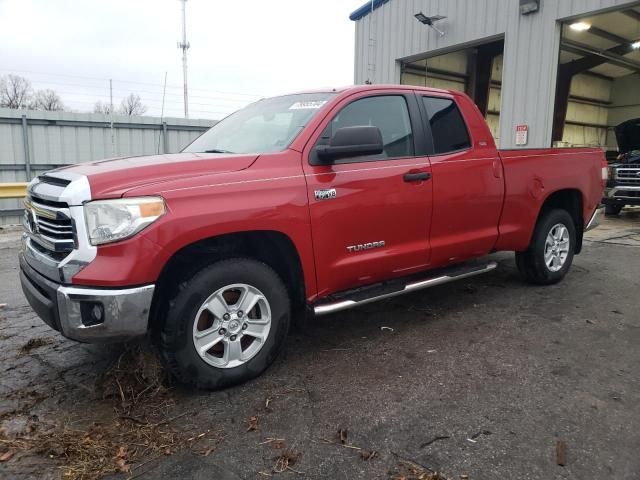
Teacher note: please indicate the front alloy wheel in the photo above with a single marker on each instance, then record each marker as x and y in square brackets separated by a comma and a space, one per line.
[225, 324]
[232, 325]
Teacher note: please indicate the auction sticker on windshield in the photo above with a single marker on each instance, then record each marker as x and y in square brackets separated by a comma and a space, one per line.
[312, 105]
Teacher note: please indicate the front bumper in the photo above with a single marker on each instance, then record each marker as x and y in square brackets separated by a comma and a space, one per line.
[622, 195]
[124, 312]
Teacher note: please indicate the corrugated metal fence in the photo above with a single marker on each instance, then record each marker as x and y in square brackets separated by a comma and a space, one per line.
[33, 142]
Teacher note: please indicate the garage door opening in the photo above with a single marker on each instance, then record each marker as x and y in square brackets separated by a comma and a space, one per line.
[476, 71]
[598, 85]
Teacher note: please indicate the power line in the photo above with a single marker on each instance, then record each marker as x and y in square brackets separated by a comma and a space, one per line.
[83, 96]
[106, 80]
[214, 100]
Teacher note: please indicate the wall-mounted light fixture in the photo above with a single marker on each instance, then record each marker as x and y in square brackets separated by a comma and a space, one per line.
[529, 6]
[429, 21]
[636, 45]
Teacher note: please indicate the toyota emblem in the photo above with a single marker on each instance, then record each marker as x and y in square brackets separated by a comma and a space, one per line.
[32, 223]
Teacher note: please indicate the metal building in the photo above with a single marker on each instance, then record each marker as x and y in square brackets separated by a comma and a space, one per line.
[563, 71]
[33, 142]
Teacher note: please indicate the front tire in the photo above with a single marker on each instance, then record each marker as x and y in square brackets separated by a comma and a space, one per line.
[612, 210]
[550, 255]
[226, 324]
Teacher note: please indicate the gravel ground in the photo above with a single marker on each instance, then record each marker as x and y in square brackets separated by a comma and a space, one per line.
[480, 378]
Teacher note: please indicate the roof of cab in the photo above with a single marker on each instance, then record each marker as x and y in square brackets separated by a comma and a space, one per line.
[364, 88]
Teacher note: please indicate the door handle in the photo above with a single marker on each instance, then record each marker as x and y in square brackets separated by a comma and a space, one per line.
[417, 177]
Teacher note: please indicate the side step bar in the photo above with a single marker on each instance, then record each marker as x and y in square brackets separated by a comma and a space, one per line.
[346, 303]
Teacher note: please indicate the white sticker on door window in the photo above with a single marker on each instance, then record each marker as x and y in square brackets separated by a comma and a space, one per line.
[312, 105]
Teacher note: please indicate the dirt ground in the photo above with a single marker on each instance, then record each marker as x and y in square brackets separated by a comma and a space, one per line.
[485, 378]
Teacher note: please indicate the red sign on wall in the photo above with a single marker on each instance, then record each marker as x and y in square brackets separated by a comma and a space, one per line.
[522, 134]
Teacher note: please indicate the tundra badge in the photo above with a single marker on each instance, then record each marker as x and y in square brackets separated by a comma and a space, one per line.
[365, 246]
[329, 194]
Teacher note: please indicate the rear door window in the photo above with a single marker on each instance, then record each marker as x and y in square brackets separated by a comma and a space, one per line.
[448, 128]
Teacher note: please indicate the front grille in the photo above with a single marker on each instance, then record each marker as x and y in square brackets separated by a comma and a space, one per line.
[627, 194]
[49, 224]
[628, 176]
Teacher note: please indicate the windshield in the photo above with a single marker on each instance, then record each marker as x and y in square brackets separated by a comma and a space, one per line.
[266, 126]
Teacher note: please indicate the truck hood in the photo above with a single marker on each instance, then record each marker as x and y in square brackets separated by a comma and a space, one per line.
[628, 136]
[113, 177]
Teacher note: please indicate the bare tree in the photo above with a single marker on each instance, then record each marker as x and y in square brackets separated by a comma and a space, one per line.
[47, 100]
[132, 105]
[103, 108]
[15, 91]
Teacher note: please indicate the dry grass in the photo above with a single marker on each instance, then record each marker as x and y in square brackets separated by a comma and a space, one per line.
[136, 385]
[138, 428]
[407, 470]
[286, 461]
[34, 343]
[92, 452]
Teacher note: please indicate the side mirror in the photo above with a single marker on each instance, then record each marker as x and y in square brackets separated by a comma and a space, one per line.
[349, 142]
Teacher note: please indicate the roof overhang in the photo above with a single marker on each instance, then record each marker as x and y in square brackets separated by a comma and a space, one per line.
[365, 9]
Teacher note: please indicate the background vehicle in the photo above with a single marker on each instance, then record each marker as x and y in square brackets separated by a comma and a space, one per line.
[623, 187]
[322, 200]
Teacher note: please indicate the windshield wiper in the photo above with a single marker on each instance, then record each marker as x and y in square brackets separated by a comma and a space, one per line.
[217, 150]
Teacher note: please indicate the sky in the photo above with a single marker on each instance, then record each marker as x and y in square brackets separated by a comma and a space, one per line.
[241, 50]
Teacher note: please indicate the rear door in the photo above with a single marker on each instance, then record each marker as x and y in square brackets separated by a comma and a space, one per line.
[371, 215]
[468, 183]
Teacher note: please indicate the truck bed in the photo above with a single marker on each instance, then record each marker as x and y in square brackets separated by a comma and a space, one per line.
[531, 174]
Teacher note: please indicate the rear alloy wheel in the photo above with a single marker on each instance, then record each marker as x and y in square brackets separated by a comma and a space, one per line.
[226, 324]
[550, 255]
[556, 247]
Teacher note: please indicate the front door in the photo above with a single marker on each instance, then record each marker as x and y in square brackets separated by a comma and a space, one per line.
[371, 215]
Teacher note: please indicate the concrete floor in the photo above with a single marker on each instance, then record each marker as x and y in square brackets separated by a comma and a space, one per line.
[481, 378]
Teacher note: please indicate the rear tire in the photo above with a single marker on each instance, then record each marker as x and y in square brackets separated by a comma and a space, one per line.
[612, 210]
[550, 255]
[207, 341]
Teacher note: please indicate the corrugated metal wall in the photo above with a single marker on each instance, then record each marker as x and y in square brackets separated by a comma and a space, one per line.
[586, 123]
[391, 33]
[60, 138]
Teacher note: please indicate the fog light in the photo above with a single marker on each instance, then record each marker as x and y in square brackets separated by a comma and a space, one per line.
[92, 313]
[97, 312]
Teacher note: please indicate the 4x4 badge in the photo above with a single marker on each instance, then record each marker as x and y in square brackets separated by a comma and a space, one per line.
[326, 194]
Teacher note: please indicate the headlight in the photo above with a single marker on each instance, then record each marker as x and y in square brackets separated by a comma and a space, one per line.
[112, 220]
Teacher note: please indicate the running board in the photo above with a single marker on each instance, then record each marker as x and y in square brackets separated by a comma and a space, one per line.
[456, 274]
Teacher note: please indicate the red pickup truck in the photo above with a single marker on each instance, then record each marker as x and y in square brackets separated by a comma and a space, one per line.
[322, 200]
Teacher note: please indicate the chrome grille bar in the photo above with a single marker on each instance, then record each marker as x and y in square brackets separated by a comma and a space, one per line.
[49, 226]
[59, 246]
[628, 175]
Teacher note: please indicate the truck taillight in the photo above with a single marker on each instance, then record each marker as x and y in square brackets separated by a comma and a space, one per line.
[605, 172]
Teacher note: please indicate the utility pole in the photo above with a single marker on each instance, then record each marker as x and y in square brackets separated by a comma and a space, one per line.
[184, 46]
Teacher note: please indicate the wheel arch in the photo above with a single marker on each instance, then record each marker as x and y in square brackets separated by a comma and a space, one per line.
[571, 200]
[274, 248]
